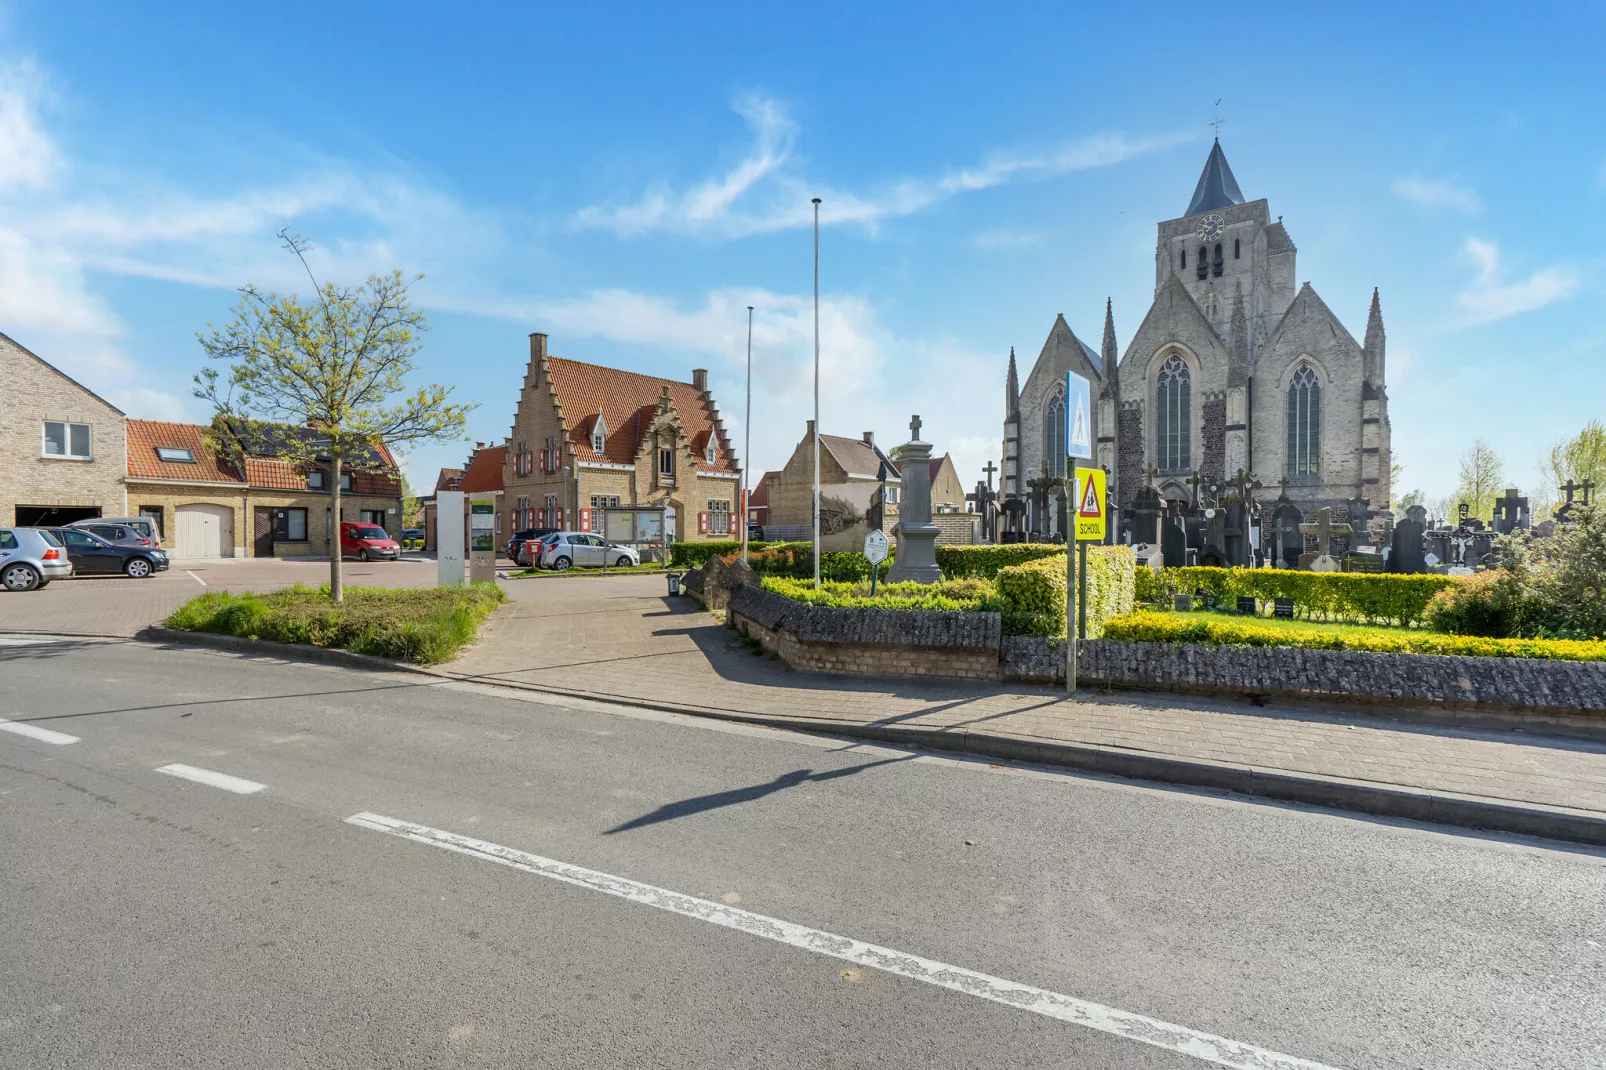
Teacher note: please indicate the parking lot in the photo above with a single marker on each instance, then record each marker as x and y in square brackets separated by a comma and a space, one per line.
[116, 605]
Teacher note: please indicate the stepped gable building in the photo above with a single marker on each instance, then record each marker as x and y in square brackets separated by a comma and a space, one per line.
[586, 437]
[1233, 366]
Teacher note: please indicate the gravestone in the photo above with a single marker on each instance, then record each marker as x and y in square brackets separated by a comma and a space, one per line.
[917, 535]
[1510, 512]
[1174, 536]
[1283, 608]
[1418, 513]
[1409, 547]
[1214, 553]
[1146, 509]
[1149, 556]
[1359, 511]
[1287, 542]
[1235, 529]
[1324, 529]
[1324, 563]
[1248, 606]
[1356, 561]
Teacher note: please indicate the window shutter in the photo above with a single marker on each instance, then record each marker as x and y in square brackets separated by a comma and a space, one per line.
[585, 520]
[560, 516]
[702, 523]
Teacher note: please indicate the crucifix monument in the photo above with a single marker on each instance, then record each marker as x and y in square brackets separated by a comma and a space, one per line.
[917, 535]
[1324, 529]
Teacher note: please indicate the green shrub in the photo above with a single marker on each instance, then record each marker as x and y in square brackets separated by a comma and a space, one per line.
[796, 559]
[1034, 593]
[425, 625]
[1149, 627]
[1149, 589]
[958, 562]
[695, 554]
[1346, 596]
[1496, 604]
[950, 595]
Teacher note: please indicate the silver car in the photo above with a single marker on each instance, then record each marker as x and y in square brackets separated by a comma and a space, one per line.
[30, 558]
[564, 550]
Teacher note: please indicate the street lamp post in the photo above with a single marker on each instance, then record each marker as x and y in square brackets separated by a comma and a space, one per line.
[816, 393]
[747, 431]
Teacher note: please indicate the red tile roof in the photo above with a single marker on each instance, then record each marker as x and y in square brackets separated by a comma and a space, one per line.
[145, 435]
[449, 479]
[759, 496]
[627, 401]
[484, 470]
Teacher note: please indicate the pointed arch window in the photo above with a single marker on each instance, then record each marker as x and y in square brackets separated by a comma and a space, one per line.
[1217, 265]
[1054, 435]
[1173, 410]
[1304, 422]
[1203, 268]
[1235, 242]
[1184, 260]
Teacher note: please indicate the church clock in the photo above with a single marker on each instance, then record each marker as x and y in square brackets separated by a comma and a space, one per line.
[1210, 227]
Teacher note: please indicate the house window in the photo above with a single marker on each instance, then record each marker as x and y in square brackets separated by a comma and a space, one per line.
[1054, 434]
[666, 463]
[719, 518]
[345, 480]
[69, 441]
[1304, 422]
[597, 442]
[290, 525]
[317, 479]
[890, 496]
[175, 455]
[1173, 413]
[605, 501]
[372, 516]
[153, 513]
[522, 517]
[549, 515]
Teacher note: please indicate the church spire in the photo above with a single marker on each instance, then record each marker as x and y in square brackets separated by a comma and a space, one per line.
[1217, 187]
[1012, 389]
[1374, 346]
[1109, 358]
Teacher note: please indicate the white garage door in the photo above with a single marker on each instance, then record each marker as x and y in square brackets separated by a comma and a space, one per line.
[204, 531]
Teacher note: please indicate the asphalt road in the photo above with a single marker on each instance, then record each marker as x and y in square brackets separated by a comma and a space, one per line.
[152, 920]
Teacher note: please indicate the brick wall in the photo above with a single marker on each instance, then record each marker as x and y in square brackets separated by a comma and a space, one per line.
[36, 392]
[243, 504]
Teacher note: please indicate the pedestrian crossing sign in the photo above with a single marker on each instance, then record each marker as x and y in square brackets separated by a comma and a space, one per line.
[1090, 509]
[1078, 417]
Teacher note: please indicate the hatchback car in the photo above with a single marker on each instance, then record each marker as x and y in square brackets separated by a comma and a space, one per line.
[30, 558]
[564, 550]
[522, 538]
[92, 555]
[367, 542]
[122, 529]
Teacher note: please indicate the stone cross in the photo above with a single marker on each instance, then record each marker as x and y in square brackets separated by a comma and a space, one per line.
[1324, 529]
[990, 469]
[1151, 471]
[1195, 481]
[914, 428]
[1569, 488]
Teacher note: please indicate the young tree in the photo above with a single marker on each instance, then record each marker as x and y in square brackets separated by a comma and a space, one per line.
[1483, 477]
[337, 365]
[1582, 457]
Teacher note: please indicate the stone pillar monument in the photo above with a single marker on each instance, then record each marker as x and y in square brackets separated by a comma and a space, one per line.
[917, 535]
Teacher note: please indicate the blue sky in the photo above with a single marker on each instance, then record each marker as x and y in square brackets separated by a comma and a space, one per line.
[629, 178]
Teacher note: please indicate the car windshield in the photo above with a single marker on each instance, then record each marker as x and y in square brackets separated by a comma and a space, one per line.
[50, 538]
[371, 533]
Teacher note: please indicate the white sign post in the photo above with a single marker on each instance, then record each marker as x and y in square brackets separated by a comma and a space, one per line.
[1078, 446]
[875, 551]
[449, 542]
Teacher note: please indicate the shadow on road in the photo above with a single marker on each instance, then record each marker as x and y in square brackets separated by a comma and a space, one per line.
[736, 796]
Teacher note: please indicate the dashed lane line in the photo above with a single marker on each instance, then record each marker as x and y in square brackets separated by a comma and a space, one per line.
[1208, 1047]
[43, 735]
[194, 577]
[216, 780]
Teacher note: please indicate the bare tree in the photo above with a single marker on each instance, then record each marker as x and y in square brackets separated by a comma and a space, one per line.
[337, 366]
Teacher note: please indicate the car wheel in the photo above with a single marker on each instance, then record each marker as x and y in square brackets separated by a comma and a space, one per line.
[562, 564]
[623, 562]
[362, 555]
[137, 568]
[20, 578]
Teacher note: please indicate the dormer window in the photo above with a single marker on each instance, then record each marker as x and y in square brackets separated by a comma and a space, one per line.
[175, 455]
[710, 452]
[599, 434]
[597, 442]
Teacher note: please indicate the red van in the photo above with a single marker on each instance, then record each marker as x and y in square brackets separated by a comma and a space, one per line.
[368, 542]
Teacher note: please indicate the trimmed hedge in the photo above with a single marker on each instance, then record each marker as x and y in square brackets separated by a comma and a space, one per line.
[425, 625]
[1346, 596]
[1034, 593]
[796, 560]
[1148, 627]
[962, 562]
[950, 595]
[696, 554]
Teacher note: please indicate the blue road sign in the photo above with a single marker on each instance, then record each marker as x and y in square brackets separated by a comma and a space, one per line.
[1078, 417]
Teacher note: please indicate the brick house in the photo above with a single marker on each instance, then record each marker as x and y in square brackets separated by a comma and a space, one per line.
[61, 445]
[758, 499]
[586, 437]
[790, 492]
[447, 479]
[253, 503]
[947, 494]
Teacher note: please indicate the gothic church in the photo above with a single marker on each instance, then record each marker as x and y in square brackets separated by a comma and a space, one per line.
[1231, 368]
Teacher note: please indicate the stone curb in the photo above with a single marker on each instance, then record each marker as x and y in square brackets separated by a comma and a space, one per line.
[1309, 789]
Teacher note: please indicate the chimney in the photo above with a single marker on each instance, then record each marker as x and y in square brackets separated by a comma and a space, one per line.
[537, 345]
[479, 445]
[699, 379]
[811, 429]
[869, 439]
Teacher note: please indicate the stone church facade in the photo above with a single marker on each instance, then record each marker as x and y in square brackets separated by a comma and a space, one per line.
[1232, 367]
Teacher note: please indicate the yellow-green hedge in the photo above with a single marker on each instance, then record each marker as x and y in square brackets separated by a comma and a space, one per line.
[1347, 596]
[1034, 593]
[1149, 627]
[963, 562]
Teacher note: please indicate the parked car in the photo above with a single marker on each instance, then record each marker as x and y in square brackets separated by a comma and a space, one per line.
[92, 555]
[516, 543]
[367, 542]
[30, 558]
[755, 532]
[412, 538]
[577, 549]
[140, 530]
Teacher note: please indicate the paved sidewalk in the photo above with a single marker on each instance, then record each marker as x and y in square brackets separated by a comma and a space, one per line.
[623, 638]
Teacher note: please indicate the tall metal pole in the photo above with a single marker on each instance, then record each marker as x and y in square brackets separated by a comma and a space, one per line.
[747, 431]
[816, 393]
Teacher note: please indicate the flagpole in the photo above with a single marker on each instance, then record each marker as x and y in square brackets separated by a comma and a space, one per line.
[816, 393]
[747, 431]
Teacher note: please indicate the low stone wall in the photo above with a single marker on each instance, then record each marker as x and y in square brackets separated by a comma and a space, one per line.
[868, 642]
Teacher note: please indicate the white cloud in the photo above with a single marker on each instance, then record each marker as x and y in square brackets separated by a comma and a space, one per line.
[1489, 298]
[1437, 193]
[27, 157]
[764, 192]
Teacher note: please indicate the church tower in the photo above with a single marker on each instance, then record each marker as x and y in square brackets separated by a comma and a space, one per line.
[1009, 483]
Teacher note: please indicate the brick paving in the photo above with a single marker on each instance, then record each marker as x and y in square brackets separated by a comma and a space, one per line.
[623, 638]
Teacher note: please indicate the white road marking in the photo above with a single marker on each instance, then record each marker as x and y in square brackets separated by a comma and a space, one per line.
[216, 780]
[1125, 1024]
[43, 735]
[194, 577]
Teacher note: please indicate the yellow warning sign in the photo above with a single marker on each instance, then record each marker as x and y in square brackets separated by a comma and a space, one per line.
[1090, 512]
